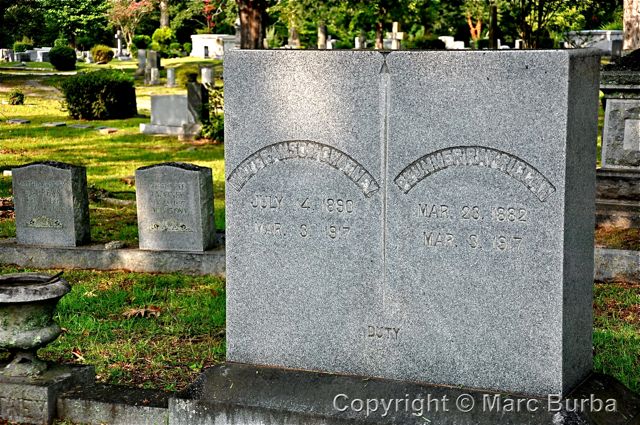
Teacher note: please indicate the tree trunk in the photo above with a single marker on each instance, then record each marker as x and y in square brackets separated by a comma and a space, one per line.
[251, 29]
[493, 27]
[631, 25]
[164, 13]
[379, 36]
[322, 36]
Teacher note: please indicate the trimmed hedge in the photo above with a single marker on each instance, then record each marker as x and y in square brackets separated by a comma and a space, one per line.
[99, 95]
[63, 58]
[22, 46]
[101, 53]
[141, 41]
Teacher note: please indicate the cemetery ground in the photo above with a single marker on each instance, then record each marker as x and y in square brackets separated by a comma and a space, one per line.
[111, 160]
[159, 331]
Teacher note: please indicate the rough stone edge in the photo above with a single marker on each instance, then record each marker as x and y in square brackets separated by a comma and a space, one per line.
[265, 395]
[57, 379]
[114, 405]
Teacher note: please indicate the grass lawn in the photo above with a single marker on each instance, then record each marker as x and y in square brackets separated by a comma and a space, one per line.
[150, 331]
[158, 331]
[111, 160]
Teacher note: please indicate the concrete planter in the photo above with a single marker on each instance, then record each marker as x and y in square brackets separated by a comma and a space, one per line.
[27, 304]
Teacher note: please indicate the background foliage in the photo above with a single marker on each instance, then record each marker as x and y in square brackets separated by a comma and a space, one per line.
[84, 23]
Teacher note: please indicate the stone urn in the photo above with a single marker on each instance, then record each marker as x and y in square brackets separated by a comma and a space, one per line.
[27, 304]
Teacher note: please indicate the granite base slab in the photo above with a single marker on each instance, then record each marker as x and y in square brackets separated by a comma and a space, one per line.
[618, 184]
[113, 405]
[245, 394]
[100, 257]
[183, 130]
[33, 400]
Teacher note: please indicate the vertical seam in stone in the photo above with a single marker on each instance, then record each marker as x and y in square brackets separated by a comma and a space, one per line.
[384, 136]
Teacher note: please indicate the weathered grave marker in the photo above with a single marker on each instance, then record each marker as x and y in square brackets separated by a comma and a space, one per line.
[51, 204]
[175, 207]
[171, 77]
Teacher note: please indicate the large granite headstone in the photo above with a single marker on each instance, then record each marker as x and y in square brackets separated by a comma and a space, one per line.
[175, 207]
[427, 217]
[489, 232]
[51, 204]
[172, 114]
[303, 171]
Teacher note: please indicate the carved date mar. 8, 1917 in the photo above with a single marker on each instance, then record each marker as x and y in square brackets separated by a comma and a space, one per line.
[434, 239]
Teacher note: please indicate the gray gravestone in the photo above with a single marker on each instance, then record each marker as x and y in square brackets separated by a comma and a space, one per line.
[621, 135]
[206, 75]
[490, 219]
[171, 77]
[198, 99]
[172, 114]
[403, 240]
[154, 76]
[51, 204]
[142, 61]
[303, 184]
[175, 207]
[152, 61]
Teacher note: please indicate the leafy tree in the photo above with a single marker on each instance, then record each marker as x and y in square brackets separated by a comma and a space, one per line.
[73, 18]
[535, 18]
[126, 15]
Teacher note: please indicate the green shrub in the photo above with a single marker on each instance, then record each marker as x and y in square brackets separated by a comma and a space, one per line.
[22, 46]
[16, 97]
[175, 50]
[141, 41]
[63, 58]
[104, 94]
[161, 41]
[101, 53]
[213, 124]
[187, 73]
[426, 42]
[187, 47]
[61, 42]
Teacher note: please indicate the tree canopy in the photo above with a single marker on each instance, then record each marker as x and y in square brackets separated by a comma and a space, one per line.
[87, 22]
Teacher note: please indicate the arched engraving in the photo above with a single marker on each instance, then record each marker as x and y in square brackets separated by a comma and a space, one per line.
[475, 156]
[303, 149]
